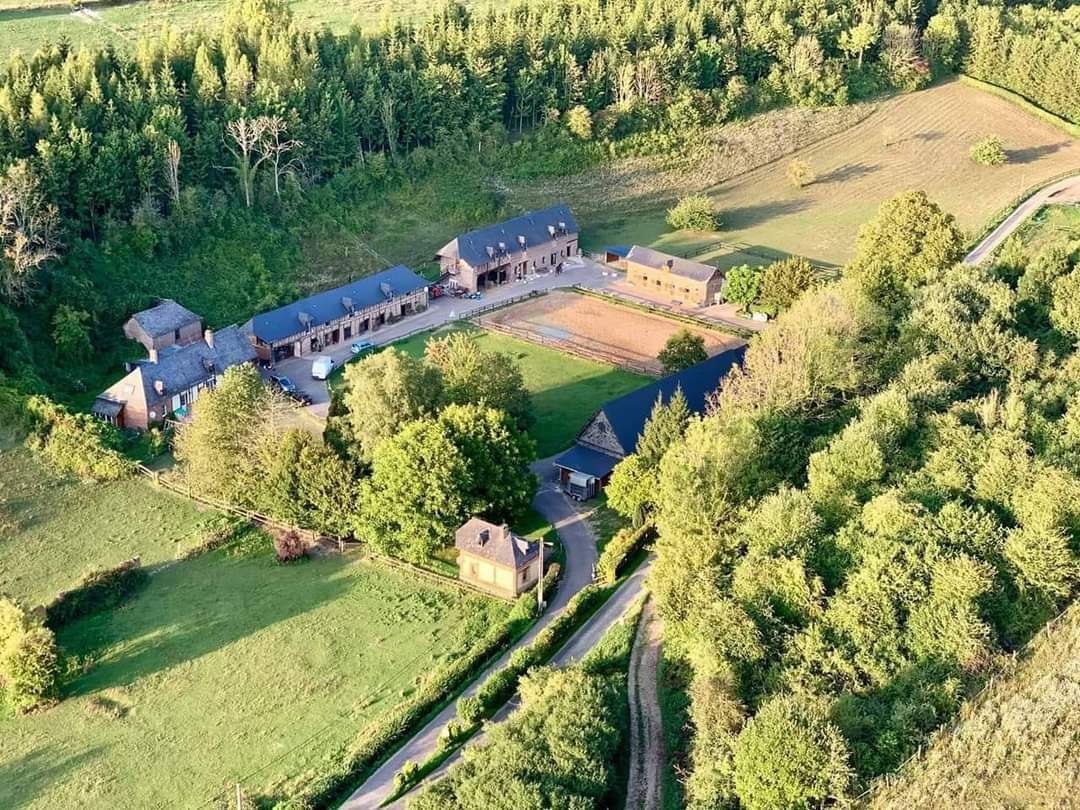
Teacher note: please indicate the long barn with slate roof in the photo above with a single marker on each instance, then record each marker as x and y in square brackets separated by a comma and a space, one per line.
[332, 317]
[612, 434]
[538, 241]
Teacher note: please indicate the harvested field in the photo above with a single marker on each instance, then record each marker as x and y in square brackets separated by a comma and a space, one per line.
[570, 321]
[862, 156]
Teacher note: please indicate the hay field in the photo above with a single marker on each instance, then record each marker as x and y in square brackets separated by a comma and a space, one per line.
[1018, 747]
[930, 133]
[570, 321]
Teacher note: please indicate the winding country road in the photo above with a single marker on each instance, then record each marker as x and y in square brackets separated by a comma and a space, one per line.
[579, 543]
[1014, 220]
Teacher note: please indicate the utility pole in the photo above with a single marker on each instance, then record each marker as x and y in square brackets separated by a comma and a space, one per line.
[540, 582]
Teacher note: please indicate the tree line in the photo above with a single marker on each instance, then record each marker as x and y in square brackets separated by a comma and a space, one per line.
[882, 502]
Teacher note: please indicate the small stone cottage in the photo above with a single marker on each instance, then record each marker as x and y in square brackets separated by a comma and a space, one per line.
[495, 559]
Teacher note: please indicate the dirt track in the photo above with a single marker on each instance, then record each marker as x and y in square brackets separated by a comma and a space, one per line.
[646, 722]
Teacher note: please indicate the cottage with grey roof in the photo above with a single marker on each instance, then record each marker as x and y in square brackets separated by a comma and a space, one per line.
[169, 381]
[681, 281]
[495, 559]
[332, 317]
[538, 241]
[166, 324]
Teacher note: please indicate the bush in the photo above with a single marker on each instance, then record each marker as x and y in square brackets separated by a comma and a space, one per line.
[470, 710]
[28, 666]
[620, 550]
[989, 152]
[743, 285]
[76, 443]
[98, 589]
[289, 547]
[695, 213]
[800, 173]
[682, 350]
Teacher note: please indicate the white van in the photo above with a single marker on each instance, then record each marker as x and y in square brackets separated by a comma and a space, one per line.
[321, 366]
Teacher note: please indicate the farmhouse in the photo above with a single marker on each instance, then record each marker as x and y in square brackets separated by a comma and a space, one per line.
[495, 559]
[321, 321]
[170, 380]
[164, 325]
[510, 250]
[612, 434]
[680, 280]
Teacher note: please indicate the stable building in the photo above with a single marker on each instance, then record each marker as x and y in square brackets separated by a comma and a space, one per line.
[613, 433]
[164, 325]
[169, 381]
[536, 242]
[682, 281]
[324, 320]
[495, 559]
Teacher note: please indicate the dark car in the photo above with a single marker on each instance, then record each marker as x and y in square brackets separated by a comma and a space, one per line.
[288, 388]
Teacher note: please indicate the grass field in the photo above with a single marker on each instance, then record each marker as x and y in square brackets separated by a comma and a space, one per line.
[53, 529]
[1018, 747]
[930, 133]
[1050, 224]
[230, 667]
[566, 391]
[26, 24]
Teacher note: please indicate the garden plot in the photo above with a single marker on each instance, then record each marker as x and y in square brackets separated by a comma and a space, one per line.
[599, 329]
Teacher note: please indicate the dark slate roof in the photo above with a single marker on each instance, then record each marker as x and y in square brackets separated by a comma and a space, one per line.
[629, 413]
[327, 306]
[165, 318]
[618, 250]
[680, 267]
[500, 545]
[586, 460]
[182, 367]
[473, 246]
[106, 406]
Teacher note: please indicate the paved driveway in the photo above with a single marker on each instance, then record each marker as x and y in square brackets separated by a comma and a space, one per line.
[993, 240]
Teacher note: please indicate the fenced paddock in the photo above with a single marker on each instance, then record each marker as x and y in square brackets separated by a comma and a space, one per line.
[598, 330]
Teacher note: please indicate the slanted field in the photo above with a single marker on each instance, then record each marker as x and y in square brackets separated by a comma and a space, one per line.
[53, 529]
[863, 156]
[566, 390]
[230, 667]
[1019, 746]
[566, 319]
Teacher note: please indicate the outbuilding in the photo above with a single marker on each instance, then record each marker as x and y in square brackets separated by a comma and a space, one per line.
[680, 280]
[319, 322]
[613, 432]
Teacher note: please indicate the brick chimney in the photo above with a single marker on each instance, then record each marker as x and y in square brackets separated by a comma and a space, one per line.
[152, 355]
[209, 337]
[159, 387]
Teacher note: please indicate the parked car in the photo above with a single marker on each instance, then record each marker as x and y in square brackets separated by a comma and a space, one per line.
[362, 347]
[436, 291]
[475, 295]
[286, 386]
[321, 366]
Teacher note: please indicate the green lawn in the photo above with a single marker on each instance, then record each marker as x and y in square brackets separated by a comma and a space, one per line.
[1050, 224]
[566, 390]
[53, 529]
[25, 24]
[605, 521]
[231, 667]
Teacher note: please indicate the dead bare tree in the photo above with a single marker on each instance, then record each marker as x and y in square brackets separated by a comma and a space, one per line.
[28, 227]
[172, 170]
[279, 150]
[246, 135]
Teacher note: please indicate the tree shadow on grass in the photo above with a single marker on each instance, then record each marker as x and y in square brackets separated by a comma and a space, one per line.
[195, 608]
[22, 780]
[851, 171]
[750, 215]
[1033, 153]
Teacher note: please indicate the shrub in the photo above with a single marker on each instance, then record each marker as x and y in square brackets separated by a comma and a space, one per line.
[29, 668]
[682, 350]
[695, 213]
[783, 282]
[76, 443]
[98, 589]
[989, 152]
[470, 710]
[620, 550]
[289, 547]
[408, 774]
[800, 173]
